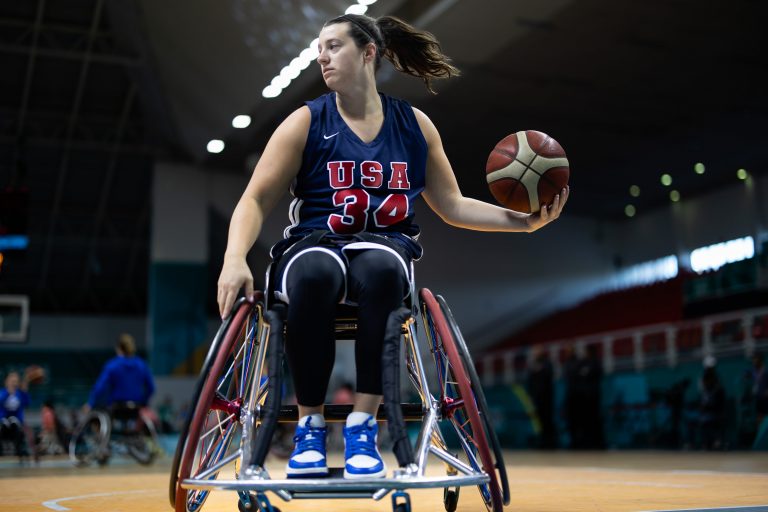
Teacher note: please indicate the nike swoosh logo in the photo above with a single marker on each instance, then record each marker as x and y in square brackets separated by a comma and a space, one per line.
[326, 137]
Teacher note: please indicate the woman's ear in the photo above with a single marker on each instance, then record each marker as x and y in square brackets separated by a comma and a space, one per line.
[370, 52]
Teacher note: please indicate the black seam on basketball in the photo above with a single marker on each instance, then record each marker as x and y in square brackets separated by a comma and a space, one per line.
[527, 167]
[548, 180]
[511, 191]
[504, 152]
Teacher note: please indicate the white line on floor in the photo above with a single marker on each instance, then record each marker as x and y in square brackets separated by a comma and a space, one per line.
[54, 504]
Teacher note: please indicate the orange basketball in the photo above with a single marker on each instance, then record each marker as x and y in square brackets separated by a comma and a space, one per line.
[34, 374]
[526, 170]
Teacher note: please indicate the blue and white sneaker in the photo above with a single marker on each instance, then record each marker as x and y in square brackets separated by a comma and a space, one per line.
[308, 457]
[361, 452]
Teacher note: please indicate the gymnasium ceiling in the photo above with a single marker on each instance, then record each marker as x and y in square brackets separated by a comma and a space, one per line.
[93, 92]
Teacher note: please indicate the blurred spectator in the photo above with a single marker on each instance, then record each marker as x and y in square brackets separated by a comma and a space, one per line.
[570, 410]
[584, 399]
[345, 394]
[710, 417]
[13, 400]
[125, 378]
[759, 388]
[165, 415]
[54, 436]
[542, 392]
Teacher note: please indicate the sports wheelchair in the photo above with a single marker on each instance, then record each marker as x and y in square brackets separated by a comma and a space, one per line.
[238, 405]
[124, 429]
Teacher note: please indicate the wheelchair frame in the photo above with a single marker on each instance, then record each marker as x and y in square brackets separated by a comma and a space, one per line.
[238, 390]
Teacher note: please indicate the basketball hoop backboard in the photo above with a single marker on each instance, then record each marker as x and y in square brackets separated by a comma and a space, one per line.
[14, 318]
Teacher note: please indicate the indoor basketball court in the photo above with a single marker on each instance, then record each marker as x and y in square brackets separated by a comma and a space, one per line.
[160, 160]
[540, 482]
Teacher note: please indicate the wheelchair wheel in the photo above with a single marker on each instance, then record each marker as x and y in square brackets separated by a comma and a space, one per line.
[459, 399]
[482, 405]
[90, 440]
[223, 392]
[143, 445]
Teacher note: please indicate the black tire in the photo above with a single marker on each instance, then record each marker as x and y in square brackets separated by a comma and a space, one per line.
[141, 449]
[253, 505]
[144, 446]
[482, 405]
[90, 440]
[224, 387]
[451, 499]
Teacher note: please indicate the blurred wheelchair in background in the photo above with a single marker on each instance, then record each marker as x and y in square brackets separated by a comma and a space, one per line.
[124, 429]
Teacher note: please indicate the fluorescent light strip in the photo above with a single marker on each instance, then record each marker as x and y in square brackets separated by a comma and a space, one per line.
[712, 257]
[287, 75]
[293, 70]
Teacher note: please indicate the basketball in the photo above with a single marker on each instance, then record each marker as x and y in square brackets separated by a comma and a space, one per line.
[526, 170]
[34, 374]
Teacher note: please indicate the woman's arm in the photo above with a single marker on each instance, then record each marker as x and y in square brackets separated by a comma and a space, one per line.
[442, 194]
[277, 167]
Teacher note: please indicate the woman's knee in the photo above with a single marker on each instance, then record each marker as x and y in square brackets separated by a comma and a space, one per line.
[316, 271]
[377, 270]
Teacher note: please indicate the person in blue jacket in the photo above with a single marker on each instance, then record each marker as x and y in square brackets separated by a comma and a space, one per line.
[124, 378]
[13, 400]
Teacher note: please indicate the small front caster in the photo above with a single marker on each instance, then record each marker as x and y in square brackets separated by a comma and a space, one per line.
[401, 502]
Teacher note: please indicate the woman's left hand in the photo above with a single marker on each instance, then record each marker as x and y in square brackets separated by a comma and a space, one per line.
[548, 213]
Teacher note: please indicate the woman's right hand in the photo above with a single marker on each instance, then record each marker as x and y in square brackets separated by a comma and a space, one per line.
[234, 274]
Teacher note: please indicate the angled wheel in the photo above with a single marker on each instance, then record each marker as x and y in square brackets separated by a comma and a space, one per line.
[143, 445]
[90, 440]
[482, 405]
[227, 388]
[459, 400]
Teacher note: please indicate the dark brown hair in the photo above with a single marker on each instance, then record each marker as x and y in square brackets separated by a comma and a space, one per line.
[410, 50]
[126, 345]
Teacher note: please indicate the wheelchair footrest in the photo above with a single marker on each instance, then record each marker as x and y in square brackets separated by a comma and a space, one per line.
[335, 484]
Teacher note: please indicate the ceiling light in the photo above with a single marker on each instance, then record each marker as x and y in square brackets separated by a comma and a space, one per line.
[356, 9]
[215, 146]
[741, 174]
[629, 210]
[291, 71]
[666, 180]
[281, 81]
[634, 191]
[366, 2]
[271, 91]
[674, 196]
[698, 168]
[241, 121]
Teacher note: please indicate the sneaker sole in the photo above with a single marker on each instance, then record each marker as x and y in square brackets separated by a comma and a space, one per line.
[306, 472]
[360, 476]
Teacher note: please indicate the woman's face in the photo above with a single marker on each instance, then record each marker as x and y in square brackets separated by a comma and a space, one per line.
[341, 61]
[12, 381]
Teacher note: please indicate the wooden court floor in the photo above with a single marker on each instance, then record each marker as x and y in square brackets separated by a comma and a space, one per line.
[540, 482]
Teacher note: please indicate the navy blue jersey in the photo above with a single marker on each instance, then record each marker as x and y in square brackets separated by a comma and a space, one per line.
[348, 186]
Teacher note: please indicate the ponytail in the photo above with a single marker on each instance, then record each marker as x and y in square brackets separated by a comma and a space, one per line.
[412, 51]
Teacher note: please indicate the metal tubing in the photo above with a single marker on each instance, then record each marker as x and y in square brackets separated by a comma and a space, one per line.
[451, 460]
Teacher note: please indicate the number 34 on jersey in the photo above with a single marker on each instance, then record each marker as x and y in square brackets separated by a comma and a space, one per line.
[358, 202]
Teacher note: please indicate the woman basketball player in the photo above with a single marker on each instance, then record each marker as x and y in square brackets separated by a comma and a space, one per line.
[355, 161]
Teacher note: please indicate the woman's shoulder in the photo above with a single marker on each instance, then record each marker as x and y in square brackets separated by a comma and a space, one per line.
[428, 128]
[296, 125]
[321, 102]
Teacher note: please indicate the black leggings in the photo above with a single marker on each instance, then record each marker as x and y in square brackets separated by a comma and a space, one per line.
[376, 281]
